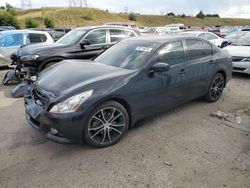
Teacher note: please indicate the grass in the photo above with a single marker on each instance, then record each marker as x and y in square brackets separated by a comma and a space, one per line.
[76, 17]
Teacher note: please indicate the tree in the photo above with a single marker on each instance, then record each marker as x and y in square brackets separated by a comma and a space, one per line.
[49, 22]
[200, 15]
[170, 14]
[132, 16]
[183, 15]
[10, 9]
[31, 23]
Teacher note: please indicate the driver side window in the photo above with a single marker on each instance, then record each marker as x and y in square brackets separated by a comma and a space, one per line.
[172, 53]
[97, 37]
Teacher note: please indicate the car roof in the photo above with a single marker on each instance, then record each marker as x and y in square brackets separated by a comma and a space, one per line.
[105, 27]
[161, 39]
[23, 31]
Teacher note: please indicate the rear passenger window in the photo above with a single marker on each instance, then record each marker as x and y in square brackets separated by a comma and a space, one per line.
[172, 53]
[116, 35]
[208, 48]
[195, 49]
[36, 37]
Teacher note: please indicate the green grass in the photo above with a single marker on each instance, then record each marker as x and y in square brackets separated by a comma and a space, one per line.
[76, 17]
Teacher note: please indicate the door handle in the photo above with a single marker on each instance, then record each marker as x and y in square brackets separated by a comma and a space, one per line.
[182, 71]
[212, 61]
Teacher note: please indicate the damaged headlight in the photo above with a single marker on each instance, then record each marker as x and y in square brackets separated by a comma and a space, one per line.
[71, 104]
[29, 57]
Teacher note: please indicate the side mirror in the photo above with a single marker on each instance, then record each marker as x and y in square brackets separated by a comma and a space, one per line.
[160, 67]
[84, 43]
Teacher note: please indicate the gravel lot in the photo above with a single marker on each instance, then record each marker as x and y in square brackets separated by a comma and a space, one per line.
[185, 147]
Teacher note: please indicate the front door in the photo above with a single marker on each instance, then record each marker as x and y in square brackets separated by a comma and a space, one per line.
[163, 90]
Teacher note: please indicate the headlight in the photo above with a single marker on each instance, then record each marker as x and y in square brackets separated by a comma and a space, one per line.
[29, 57]
[71, 104]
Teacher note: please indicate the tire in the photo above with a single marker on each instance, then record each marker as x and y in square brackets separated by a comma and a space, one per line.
[215, 88]
[47, 65]
[106, 125]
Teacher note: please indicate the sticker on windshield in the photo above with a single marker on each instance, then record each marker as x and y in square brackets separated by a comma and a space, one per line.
[143, 49]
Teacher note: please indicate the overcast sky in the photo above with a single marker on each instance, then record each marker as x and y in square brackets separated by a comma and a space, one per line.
[225, 8]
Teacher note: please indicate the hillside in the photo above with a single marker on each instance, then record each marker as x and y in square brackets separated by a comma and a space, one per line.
[75, 17]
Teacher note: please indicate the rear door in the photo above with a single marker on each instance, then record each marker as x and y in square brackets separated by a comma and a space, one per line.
[198, 61]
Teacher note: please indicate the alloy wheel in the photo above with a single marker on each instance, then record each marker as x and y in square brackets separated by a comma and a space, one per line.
[106, 126]
[217, 87]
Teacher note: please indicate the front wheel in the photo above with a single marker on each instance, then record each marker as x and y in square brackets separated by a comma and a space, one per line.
[215, 89]
[107, 124]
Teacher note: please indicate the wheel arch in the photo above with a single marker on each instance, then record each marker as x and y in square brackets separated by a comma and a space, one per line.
[47, 61]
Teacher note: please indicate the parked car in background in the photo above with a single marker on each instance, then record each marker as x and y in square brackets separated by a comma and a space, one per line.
[80, 43]
[155, 31]
[124, 24]
[233, 36]
[240, 52]
[216, 40]
[134, 79]
[64, 30]
[10, 41]
[216, 31]
[56, 35]
[178, 25]
[6, 28]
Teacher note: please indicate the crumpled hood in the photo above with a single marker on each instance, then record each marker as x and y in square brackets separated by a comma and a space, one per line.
[40, 48]
[240, 51]
[71, 75]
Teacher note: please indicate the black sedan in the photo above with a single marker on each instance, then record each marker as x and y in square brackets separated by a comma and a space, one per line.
[97, 101]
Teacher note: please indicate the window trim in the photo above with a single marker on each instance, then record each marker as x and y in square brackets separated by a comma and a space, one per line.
[187, 49]
[164, 45]
[89, 32]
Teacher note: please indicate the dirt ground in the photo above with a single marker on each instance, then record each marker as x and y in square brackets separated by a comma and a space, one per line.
[185, 147]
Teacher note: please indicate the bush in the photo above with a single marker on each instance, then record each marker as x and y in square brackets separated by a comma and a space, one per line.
[31, 23]
[49, 22]
[132, 17]
[213, 15]
[89, 16]
[6, 19]
[200, 15]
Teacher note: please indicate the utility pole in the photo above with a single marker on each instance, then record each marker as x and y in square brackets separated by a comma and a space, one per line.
[26, 4]
[78, 3]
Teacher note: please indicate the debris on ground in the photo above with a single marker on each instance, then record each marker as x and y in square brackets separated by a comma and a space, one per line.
[240, 119]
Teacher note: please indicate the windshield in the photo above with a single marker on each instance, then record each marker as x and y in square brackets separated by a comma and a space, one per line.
[242, 41]
[11, 40]
[72, 37]
[188, 34]
[128, 54]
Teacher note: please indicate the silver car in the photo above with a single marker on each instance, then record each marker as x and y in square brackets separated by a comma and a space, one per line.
[240, 52]
[10, 41]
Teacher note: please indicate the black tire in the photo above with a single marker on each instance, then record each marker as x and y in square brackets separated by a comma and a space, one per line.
[47, 65]
[215, 88]
[106, 125]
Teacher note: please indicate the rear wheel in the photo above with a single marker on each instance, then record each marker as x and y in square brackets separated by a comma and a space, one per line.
[215, 89]
[107, 124]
